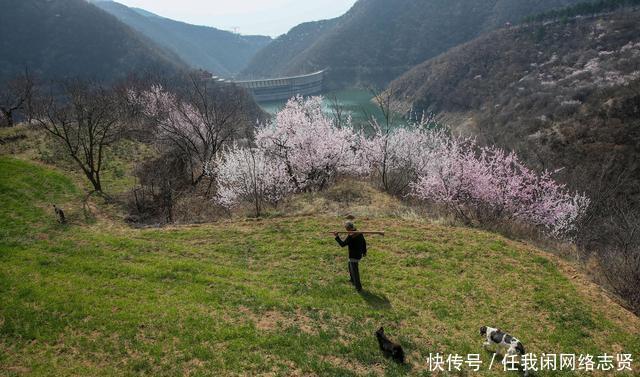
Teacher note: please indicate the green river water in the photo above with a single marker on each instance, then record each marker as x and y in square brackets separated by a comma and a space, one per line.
[355, 102]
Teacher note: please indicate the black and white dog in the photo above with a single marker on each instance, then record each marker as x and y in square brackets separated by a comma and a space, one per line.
[59, 214]
[502, 339]
[389, 348]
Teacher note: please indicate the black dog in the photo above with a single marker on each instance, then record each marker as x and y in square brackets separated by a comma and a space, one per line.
[389, 348]
[59, 215]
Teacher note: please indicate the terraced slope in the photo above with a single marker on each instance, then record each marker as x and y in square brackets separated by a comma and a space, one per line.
[270, 297]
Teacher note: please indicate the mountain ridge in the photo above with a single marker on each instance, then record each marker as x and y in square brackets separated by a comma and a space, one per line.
[272, 61]
[220, 52]
[73, 38]
[377, 40]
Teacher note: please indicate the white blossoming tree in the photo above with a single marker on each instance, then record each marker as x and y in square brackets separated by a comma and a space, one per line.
[395, 156]
[249, 175]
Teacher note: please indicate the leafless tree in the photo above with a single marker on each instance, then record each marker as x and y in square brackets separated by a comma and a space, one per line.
[390, 115]
[384, 127]
[224, 113]
[393, 179]
[16, 97]
[340, 115]
[198, 121]
[162, 182]
[619, 260]
[610, 230]
[85, 119]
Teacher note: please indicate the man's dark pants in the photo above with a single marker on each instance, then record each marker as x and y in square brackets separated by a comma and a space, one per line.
[354, 273]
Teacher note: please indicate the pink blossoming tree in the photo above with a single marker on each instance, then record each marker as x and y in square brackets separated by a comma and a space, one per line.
[306, 142]
[303, 149]
[489, 184]
[198, 126]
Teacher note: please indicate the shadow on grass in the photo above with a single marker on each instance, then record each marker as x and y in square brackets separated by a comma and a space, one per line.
[375, 301]
[395, 369]
[498, 360]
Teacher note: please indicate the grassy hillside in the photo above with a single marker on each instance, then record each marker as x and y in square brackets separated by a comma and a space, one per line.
[218, 51]
[27, 193]
[270, 297]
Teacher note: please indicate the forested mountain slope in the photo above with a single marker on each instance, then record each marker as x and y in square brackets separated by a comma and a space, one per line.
[562, 94]
[377, 40]
[274, 60]
[218, 51]
[72, 38]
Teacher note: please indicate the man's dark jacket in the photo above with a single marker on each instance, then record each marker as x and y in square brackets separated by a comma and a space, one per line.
[357, 245]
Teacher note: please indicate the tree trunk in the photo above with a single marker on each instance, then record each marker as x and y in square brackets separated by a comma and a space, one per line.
[94, 179]
[168, 204]
[98, 181]
[8, 116]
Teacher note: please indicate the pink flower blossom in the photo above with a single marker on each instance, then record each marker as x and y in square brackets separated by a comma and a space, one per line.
[308, 145]
[490, 183]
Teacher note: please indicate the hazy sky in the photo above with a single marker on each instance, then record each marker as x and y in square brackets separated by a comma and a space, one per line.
[266, 17]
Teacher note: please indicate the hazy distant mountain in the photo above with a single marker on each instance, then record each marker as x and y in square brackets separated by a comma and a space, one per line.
[377, 40]
[221, 52]
[64, 38]
[141, 11]
[563, 94]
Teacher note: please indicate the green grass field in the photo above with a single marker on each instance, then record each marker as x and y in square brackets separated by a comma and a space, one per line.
[270, 297]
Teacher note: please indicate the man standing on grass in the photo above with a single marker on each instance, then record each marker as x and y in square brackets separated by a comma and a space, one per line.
[357, 250]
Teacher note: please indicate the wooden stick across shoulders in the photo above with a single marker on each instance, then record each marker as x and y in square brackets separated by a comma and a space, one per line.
[380, 233]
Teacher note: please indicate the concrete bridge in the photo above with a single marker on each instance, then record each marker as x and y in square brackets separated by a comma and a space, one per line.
[284, 87]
